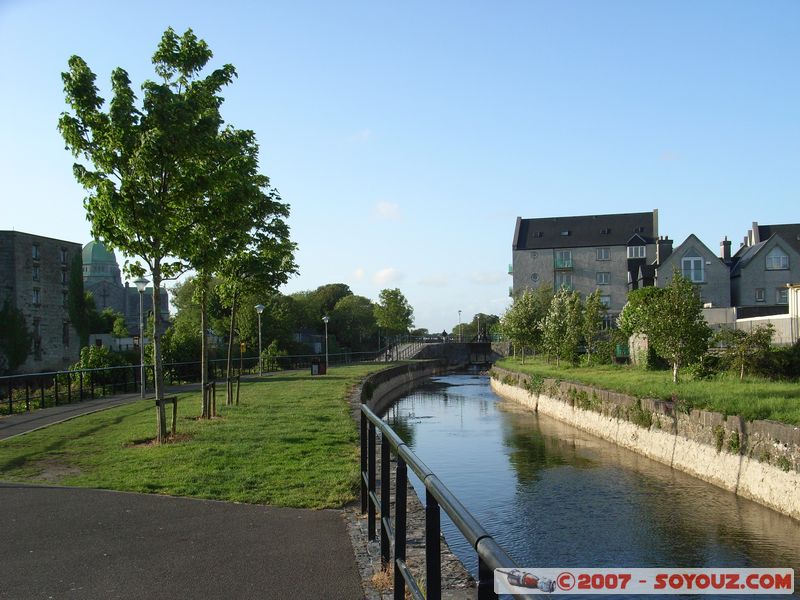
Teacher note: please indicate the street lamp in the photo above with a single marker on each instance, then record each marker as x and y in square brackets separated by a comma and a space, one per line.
[141, 284]
[259, 310]
[325, 320]
[460, 331]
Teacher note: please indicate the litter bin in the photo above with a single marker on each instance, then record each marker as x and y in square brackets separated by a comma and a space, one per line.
[317, 367]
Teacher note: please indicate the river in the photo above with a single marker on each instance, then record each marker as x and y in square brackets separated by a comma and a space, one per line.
[554, 496]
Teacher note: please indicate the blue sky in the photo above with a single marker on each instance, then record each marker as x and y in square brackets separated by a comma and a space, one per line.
[407, 137]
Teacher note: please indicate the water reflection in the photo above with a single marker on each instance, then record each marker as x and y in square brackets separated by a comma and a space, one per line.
[554, 496]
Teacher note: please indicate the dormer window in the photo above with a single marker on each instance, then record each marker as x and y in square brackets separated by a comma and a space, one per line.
[777, 260]
[692, 268]
[605, 231]
[565, 232]
[538, 234]
[637, 251]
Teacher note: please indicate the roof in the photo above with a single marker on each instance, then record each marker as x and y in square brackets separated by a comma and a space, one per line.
[95, 252]
[789, 232]
[590, 230]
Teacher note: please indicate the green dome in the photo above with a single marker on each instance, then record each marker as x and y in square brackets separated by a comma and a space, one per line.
[95, 252]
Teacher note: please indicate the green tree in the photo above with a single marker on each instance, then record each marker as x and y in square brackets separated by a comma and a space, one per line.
[672, 320]
[353, 322]
[77, 305]
[393, 313]
[119, 329]
[147, 169]
[15, 338]
[562, 326]
[743, 349]
[523, 322]
[592, 323]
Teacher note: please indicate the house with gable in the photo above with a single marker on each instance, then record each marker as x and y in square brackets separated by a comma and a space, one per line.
[763, 267]
[710, 274]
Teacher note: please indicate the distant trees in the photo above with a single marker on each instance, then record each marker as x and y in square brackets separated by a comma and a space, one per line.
[743, 350]
[522, 322]
[393, 313]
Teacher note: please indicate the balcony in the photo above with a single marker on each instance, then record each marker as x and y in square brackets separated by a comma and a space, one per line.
[510, 292]
[510, 270]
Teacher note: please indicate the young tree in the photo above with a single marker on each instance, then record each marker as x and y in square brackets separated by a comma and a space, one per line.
[742, 349]
[152, 171]
[556, 323]
[393, 313]
[118, 329]
[522, 322]
[676, 328]
[592, 322]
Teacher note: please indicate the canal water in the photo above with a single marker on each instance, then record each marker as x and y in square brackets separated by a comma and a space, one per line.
[554, 496]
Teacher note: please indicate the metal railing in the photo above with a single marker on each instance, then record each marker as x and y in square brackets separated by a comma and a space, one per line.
[393, 536]
[33, 391]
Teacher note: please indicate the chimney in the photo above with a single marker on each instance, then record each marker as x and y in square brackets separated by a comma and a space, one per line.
[756, 235]
[725, 250]
[744, 242]
[750, 241]
[663, 249]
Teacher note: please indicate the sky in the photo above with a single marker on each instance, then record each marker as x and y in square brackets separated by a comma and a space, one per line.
[408, 136]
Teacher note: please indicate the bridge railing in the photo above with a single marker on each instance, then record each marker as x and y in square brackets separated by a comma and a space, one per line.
[393, 536]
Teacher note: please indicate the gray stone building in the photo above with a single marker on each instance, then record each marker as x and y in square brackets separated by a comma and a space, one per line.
[102, 277]
[767, 262]
[585, 253]
[701, 266]
[34, 278]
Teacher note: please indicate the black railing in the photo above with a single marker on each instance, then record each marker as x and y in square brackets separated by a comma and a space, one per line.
[39, 390]
[393, 536]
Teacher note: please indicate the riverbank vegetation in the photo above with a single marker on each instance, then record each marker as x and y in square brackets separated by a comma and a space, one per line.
[751, 397]
[290, 442]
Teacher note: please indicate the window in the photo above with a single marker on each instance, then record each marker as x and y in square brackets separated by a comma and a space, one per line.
[637, 251]
[604, 254]
[64, 277]
[564, 280]
[781, 295]
[692, 268]
[36, 297]
[65, 299]
[777, 260]
[35, 252]
[605, 231]
[565, 232]
[35, 273]
[603, 278]
[564, 259]
[761, 295]
[605, 301]
[538, 234]
[63, 256]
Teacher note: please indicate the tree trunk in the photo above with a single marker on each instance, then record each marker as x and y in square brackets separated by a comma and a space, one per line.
[523, 355]
[158, 370]
[229, 365]
[675, 372]
[741, 372]
[201, 280]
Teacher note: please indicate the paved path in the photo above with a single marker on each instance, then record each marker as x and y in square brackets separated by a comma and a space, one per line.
[24, 422]
[93, 544]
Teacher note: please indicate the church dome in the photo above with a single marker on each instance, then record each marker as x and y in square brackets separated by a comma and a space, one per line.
[99, 264]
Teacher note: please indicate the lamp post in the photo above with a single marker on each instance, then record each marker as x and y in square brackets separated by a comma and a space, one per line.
[325, 320]
[141, 285]
[259, 310]
[460, 331]
[479, 327]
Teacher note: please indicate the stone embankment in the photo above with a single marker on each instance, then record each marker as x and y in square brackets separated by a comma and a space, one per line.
[379, 391]
[759, 460]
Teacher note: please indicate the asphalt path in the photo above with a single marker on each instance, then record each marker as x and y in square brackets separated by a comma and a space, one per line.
[61, 542]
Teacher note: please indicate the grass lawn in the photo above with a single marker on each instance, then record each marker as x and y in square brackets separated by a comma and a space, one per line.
[290, 442]
[752, 398]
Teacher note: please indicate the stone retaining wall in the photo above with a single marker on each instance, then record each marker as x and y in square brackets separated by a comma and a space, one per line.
[759, 460]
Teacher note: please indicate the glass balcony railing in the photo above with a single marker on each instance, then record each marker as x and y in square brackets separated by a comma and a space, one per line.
[510, 269]
[563, 263]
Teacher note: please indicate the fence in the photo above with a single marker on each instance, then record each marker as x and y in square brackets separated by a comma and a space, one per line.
[39, 390]
[393, 537]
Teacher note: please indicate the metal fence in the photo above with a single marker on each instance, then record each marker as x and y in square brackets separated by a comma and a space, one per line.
[39, 390]
[393, 536]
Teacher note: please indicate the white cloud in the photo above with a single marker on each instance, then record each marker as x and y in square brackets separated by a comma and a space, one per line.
[386, 276]
[387, 211]
[362, 136]
[435, 281]
[358, 274]
[487, 278]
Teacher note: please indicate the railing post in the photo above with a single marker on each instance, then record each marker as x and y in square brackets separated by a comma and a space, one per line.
[485, 581]
[364, 491]
[27, 395]
[400, 488]
[433, 549]
[69, 388]
[55, 387]
[80, 375]
[385, 499]
[371, 468]
[41, 392]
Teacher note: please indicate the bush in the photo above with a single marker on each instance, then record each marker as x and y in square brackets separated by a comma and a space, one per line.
[780, 363]
[707, 367]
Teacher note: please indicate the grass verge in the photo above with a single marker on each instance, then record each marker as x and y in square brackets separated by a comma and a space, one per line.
[753, 398]
[290, 442]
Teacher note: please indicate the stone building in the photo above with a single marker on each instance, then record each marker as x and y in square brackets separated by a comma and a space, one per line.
[585, 253]
[708, 272]
[102, 277]
[34, 278]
